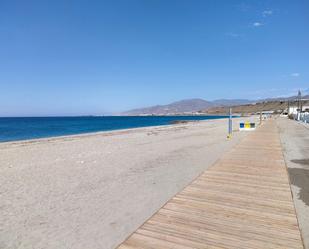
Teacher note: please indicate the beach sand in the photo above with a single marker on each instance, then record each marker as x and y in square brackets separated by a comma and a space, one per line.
[94, 190]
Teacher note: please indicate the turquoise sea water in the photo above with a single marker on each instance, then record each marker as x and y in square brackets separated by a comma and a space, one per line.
[13, 129]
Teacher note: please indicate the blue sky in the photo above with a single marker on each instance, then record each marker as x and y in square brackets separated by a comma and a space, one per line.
[93, 57]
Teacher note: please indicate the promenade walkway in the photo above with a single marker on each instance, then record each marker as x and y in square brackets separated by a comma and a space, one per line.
[242, 201]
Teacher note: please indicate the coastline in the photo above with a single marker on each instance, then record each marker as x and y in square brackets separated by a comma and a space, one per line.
[112, 132]
[92, 191]
[84, 130]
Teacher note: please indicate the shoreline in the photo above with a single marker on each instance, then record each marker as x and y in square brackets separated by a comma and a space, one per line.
[106, 132]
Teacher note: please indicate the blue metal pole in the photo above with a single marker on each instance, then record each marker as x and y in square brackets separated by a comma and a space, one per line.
[230, 124]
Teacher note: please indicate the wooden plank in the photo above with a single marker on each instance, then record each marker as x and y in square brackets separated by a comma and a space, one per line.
[243, 201]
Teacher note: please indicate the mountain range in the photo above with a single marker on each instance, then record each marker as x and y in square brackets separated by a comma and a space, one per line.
[185, 106]
[197, 104]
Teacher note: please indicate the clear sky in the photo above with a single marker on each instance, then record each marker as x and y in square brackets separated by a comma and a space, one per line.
[79, 57]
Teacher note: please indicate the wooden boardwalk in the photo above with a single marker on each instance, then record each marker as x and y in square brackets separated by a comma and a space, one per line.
[242, 201]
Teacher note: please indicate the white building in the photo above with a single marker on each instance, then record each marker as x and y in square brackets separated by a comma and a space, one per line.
[300, 115]
[294, 109]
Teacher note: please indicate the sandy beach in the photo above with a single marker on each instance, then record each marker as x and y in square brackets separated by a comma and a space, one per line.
[94, 190]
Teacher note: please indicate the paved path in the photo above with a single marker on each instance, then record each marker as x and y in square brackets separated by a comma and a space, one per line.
[243, 201]
[295, 143]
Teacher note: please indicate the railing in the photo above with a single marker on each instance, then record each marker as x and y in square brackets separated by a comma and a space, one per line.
[304, 117]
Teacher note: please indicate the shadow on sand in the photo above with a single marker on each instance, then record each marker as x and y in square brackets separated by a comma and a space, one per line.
[300, 178]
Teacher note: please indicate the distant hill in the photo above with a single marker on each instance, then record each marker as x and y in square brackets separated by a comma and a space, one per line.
[249, 108]
[218, 106]
[188, 105]
[267, 105]
[184, 106]
[230, 102]
[305, 95]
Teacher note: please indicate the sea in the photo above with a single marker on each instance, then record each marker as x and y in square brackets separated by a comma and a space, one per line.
[24, 128]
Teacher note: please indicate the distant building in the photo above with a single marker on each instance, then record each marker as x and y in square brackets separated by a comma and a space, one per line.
[266, 112]
[293, 110]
